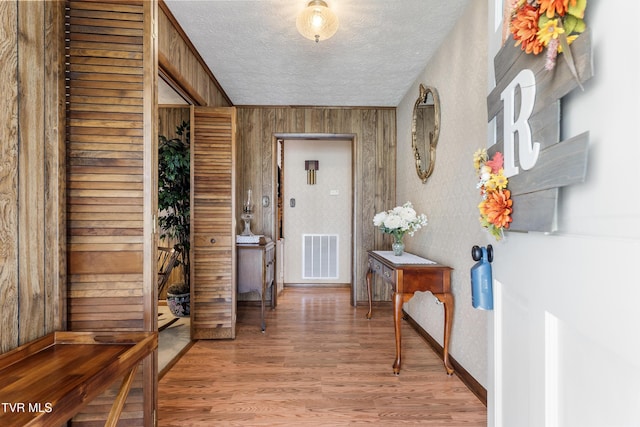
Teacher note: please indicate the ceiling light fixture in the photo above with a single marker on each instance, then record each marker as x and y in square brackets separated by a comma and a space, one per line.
[317, 22]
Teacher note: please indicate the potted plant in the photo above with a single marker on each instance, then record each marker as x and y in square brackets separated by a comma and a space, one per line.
[179, 299]
[174, 206]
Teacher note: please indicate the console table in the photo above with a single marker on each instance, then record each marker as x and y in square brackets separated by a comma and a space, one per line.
[47, 381]
[408, 274]
[256, 272]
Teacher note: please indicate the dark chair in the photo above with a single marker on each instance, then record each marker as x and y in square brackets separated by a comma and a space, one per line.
[167, 259]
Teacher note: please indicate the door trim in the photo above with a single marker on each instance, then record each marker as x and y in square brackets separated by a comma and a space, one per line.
[352, 137]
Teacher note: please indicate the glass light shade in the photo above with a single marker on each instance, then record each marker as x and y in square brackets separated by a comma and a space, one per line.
[317, 22]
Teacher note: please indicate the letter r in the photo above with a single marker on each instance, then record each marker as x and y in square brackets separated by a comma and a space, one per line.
[528, 151]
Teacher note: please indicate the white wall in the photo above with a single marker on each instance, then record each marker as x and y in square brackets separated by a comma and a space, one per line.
[449, 198]
[317, 211]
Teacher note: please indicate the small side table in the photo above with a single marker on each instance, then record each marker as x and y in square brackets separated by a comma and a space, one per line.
[256, 265]
[408, 274]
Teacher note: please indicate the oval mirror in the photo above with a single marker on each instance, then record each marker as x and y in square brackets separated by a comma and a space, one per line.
[425, 131]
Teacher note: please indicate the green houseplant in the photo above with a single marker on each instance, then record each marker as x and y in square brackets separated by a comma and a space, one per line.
[174, 206]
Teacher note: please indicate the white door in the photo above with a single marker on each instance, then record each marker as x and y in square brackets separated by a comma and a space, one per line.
[317, 216]
[564, 340]
[515, 329]
[563, 336]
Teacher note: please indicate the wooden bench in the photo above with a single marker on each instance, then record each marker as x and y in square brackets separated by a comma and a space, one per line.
[47, 381]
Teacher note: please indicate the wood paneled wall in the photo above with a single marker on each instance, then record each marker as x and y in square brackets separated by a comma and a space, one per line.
[170, 117]
[182, 64]
[111, 181]
[374, 130]
[32, 234]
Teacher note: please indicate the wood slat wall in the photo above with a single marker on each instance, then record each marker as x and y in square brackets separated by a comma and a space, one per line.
[32, 236]
[374, 130]
[105, 171]
[213, 262]
[111, 74]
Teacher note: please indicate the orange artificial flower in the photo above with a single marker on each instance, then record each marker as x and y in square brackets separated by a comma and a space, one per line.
[551, 7]
[524, 27]
[497, 208]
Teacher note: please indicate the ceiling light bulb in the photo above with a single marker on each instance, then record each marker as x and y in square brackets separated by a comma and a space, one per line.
[317, 22]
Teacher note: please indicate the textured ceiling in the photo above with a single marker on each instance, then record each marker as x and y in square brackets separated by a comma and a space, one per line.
[259, 58]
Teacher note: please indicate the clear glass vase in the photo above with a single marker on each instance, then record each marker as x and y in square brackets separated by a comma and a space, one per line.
[398, 244]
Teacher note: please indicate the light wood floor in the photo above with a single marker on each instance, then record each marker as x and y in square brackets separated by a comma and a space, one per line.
[320, 362]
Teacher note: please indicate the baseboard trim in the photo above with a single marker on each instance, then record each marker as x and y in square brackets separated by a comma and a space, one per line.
[472, 384]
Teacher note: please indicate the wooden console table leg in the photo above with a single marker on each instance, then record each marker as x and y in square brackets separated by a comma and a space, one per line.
[397, 323]
[118, 404]
[274, 294]
[447, 302]
[368, 279]
[263, 324]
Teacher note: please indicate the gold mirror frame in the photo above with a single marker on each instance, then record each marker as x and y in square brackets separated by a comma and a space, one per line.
[425, 171]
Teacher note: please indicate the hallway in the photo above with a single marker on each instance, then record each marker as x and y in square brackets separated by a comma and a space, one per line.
[320, 362]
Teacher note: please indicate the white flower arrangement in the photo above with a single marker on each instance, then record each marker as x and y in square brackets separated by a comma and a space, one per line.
[400, 220]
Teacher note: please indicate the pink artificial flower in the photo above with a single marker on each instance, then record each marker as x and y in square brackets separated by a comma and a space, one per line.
[496, 162]
[552, 52]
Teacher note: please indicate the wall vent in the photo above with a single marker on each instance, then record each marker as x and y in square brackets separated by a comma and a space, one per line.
[319, 256]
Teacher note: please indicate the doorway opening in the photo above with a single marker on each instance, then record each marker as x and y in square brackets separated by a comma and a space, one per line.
[174, 109]
[314, 218]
